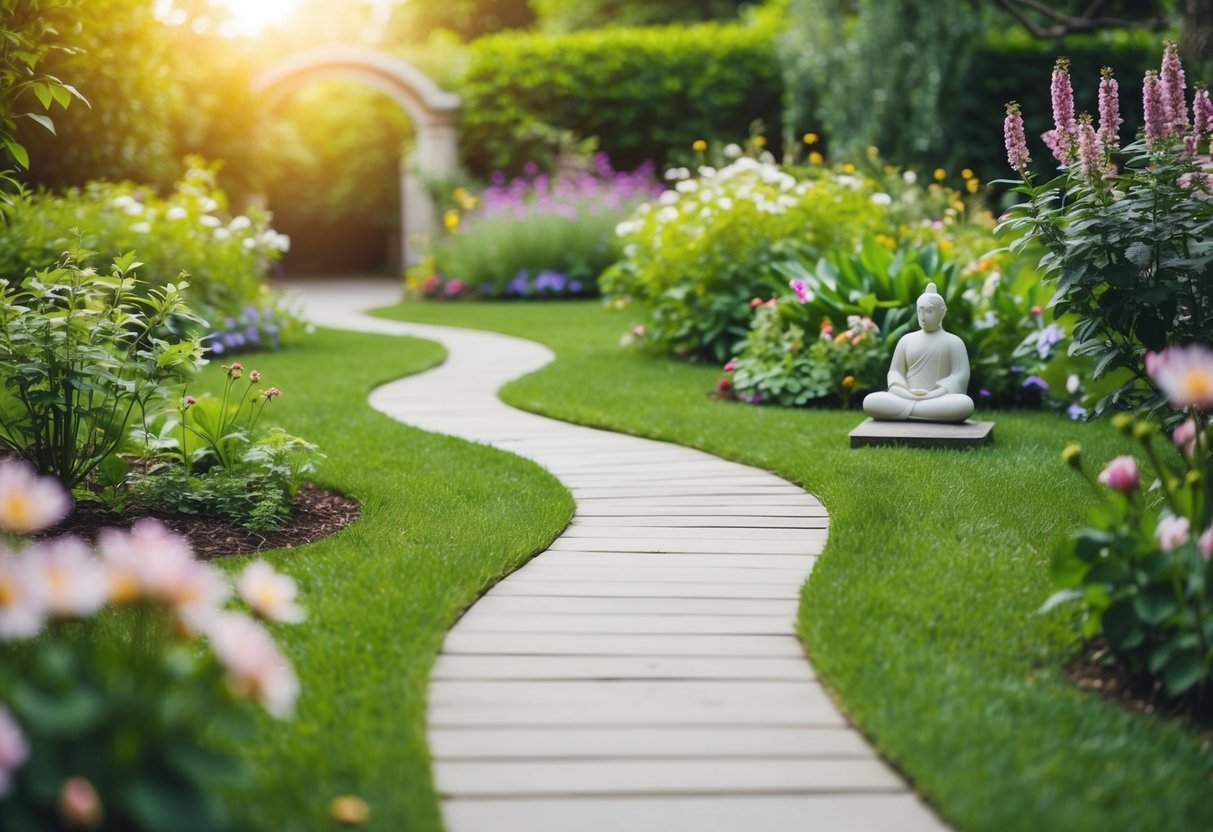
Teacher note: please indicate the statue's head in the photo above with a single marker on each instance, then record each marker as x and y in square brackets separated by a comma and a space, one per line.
[931, 309]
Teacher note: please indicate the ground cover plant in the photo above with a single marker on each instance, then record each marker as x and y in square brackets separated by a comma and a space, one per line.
[922, 614]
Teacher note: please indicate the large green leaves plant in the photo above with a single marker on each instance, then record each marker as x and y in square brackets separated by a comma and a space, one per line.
[80, 354]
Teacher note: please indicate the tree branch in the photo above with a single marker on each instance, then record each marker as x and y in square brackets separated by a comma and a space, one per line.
[1058, 23]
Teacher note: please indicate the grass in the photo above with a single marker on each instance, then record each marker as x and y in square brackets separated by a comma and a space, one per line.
[921, 615]
[442, 519]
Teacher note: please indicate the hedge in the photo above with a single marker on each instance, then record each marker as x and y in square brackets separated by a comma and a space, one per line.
[642, 91]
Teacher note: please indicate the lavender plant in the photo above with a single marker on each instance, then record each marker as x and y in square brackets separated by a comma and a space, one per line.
[1125, 230]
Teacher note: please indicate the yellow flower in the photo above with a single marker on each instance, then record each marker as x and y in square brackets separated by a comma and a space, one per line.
[451, 219]
[966, 173]
[848, 382]
[816, 158]
[886, 241]
[759, 141]
[699, 146]
[957, 206]
[349, 811]
[460, 194]
[972, 186]
[1072, 455]
[873, 150]
[811, 138]
[842, 337]
[848, 168]
[940, 174]
[946, 246]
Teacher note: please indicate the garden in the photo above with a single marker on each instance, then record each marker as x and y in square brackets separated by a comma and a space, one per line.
[225, 578]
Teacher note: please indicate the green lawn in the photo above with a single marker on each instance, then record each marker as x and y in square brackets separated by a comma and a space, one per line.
[921, 615]
[442, 520]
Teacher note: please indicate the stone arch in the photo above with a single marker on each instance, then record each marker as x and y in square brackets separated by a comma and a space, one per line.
[434, 113]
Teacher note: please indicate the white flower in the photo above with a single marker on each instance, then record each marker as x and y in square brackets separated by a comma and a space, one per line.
[72, 582]
[706, 171]
[281, 242]
[255, 665]
[222, 234]
[134, 209]
[249, 243]
[687, 186]
[847, 181]
[28, 502]
[668, 197]
[909, 177]
[176, 212]
[269, 594]
[240, 223]
[766, 157]
[122, 201]
[667, 214]
[882, 199]
[141, 228]
[724, 204]
[207, 205]
[1172, 532]
[22, 610]
[13, 750]
[628, 227]
[210, 221]
[732, 151]
[1073, 384]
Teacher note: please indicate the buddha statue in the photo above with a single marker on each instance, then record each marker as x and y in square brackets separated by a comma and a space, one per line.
[929, 373]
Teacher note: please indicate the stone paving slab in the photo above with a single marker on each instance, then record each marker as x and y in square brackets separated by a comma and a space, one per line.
[644, 674]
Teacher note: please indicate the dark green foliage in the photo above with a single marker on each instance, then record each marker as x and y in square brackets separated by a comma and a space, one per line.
[642, 92]
[570, 15]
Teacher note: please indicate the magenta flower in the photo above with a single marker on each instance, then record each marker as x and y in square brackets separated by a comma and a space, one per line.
[1184, 437]
[1172, 532]
[1063, 104]
[1204, 543]
[1202, 113]
[802, 290]
[1174, 96]
[1109, 111]
[1121, 474]
[1052, 140]
[1017, 143]
[731, 365]
[1153, 110]
[1184, 375]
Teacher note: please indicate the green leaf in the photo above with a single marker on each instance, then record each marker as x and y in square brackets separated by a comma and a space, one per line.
[1155, 604]
[20, 154]
[1184, 669]
[42, 91]
[45, 121]
[1121, 626]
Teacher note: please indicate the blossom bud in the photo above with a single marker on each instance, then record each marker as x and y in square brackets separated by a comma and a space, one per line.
[1143, 431]
[1123, 422]
[1072, 455]
[1121, 474]
[254, 376]
[79, 804]
[1172, 532]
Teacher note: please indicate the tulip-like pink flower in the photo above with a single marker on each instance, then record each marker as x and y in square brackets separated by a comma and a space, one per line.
[254, 664]
[730, 365]
[1172, 532]
[1121, 474]
[1109, 111]
[1154, 110]
[269, 594]
[1016, 142]
[1204, 543]
[1063, 105]
[79, 804]
[72, 582]
[13, 750]
[1184, 437]
[1173, 89]
[802, 290]
[1184, 375]
[22, 607]
[30, 503]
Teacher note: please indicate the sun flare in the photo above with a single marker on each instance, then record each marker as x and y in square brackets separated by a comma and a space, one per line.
[250, 17]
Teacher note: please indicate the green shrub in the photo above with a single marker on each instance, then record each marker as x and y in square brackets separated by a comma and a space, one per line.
[642, 92]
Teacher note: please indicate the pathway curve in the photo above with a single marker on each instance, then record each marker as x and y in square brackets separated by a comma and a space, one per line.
[643, 674]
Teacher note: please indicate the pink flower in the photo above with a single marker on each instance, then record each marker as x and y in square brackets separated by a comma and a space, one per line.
[755, 303]
[1184, 375]
[254, 664]
[1038, 311]
[254, 376]
[13, 751]
[188, 402]
[28, 502]
[79, 804]
[1090, 154]
[731, 365]
[802, 290]
[1109, 111]
[1057, 147]
[22, 608]
[1202, 113]
[1204, 543]
[271, 393]
[1016, 142]
[269, 594]
[1184, 437]
[1172, 532]
[1121, 474]
[1063, 105]
[1173, 89]
[1154, 111]
[72, 582]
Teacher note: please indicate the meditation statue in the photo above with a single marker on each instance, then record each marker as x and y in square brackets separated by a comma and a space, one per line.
[929, 374]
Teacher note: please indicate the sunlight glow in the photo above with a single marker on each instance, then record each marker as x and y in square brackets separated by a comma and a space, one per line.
[250, 17]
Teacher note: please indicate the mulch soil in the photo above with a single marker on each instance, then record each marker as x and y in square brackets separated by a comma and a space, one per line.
[318, 514]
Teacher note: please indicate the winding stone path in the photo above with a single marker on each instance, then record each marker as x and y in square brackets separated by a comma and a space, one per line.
[643, 674]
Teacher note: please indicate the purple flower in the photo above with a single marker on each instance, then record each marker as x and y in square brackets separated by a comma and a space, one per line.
[1047, 339]
[984, 393]
[520, 285]
[1017, 143]
[1174, 97]
[575, 287]
[1153, 109]
[1052, 140]
[530, 169]
[549, 281]
[802, 291]
[1063, 104]
[1202, 110]
[1076, 412]
[1035, 381]
[1109, 111]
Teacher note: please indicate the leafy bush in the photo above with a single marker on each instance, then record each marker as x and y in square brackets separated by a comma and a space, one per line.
[1141, 572]
[80, 353]
[642, 92]
[534, 236]
[570, 15]
[121, 674]
[1128, 248]
[227, 258]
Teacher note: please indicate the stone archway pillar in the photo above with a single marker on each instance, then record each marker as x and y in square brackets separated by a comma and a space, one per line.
[433, 158]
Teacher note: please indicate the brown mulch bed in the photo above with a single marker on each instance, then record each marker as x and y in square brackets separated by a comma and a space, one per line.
[1095, 672]
[318, 514]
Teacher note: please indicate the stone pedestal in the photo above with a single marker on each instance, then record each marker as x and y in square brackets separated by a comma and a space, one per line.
[967, 434]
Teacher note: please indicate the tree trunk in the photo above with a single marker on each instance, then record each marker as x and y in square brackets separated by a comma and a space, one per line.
[1196, 41]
